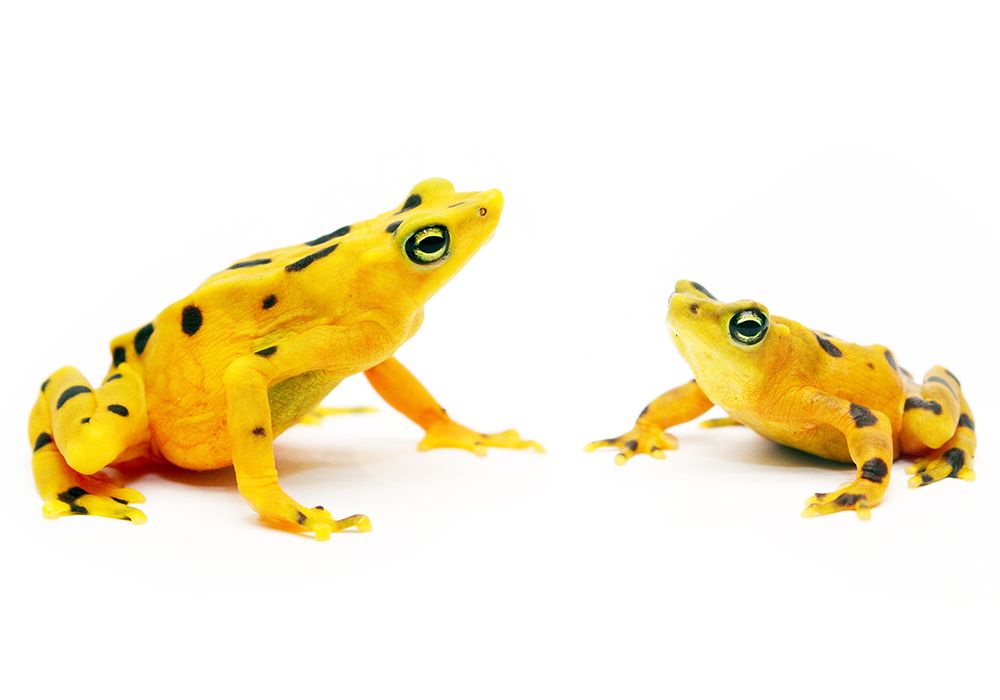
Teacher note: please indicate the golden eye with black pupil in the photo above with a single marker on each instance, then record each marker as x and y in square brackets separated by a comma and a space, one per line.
[748, 327]
[427, 245]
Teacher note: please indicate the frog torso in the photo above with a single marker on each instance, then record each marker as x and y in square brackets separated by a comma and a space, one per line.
[357, 277]
[808, 390]
[758, 396]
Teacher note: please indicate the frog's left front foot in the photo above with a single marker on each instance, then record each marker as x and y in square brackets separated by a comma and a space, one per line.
[452, 434]
[860, 495]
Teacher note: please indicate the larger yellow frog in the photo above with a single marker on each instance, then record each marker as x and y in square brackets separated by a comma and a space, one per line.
[219, 374]
[811, 391]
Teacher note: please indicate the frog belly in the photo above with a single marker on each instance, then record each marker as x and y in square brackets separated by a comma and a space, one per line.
[820, 440]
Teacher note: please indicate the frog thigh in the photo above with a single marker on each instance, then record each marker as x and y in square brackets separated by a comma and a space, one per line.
[932, 410]
[89, 427]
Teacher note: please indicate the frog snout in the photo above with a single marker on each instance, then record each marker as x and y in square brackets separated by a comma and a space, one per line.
[491, 203]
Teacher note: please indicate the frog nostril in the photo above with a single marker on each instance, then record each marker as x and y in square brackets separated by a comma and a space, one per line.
[693, 308]
[482, 211]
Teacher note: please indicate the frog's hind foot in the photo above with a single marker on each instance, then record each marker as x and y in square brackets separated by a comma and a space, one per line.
[952, 460]
[67, 492]
[321, 413]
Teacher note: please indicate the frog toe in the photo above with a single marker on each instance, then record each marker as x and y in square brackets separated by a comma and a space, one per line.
[860, 495]
[458, 436]
[319, 521]
[77, 501]
[652, 443]
[953, 462]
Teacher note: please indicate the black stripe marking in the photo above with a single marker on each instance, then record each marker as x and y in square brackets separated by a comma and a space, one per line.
[44, 385]
[863, 417]
[69, 497]
[117, 356]
[913, 402]
[848, 499]
[300, 518]
[113, 377]
[191, 319]
[269, 301]
[85, 420]
[874, 469]
[342, 231]
[70, 393]
[259, 431]
[891, 359]
[391, 228]
[249, 263]
[703, 290]
[965, 421]
[942, 380]
[118, 409]
[955, 457]
[953, 377]
[308, 260]
[412, 202]
[141, 338]
[828, 347]
[43, 440]
[644, 411]
[267, 352]
[632, 445]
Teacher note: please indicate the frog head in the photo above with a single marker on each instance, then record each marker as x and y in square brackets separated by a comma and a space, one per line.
[416, 247]
[728, 345]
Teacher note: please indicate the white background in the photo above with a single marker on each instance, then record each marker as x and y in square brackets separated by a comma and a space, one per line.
[835, 161]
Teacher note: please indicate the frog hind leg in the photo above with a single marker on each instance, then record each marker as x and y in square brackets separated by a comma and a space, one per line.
[938, 428]
[76, 431]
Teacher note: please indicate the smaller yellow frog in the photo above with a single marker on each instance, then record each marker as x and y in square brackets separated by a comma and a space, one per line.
[219, 374]
[811, 391]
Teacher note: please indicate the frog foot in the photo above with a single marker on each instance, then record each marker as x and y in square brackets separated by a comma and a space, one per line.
[638, 441]
[98, 495]
[317, 521]
[860, 495]
[321, 413]
[452, 434]
[952, 462]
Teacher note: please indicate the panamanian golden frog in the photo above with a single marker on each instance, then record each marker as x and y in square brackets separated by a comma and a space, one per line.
[215, 377]
[811, 391]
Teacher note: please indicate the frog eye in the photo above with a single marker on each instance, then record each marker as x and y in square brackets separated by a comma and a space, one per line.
[748, 327]
[427, 245]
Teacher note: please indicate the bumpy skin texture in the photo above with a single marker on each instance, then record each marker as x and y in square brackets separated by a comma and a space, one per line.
[808, 390]
[218, 375]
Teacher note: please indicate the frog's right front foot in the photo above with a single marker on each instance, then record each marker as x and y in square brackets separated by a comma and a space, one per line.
[639, 440]
[283, 511]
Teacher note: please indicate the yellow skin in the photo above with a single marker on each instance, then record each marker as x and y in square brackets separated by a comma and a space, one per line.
[811, 391]
[219, 374]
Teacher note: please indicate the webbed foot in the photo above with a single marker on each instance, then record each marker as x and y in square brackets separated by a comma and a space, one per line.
[860, 495]
[98, 495]
[953, 462]
[637, 441]
[278, 508]
[452, 434]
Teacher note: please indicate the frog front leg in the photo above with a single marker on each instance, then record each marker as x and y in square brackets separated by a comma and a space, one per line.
[869, 442]
[406, 394]
[246, 382]
[679, 405]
